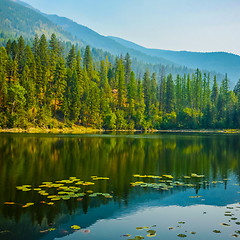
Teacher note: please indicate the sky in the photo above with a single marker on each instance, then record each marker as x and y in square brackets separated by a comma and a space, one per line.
[192, 25]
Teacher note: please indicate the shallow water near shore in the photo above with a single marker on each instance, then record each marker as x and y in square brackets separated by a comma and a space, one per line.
[120, 186]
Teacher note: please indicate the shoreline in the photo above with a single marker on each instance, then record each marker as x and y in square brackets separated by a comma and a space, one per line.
[85, 130]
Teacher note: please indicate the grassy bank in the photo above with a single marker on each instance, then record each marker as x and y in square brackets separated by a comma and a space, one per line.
[82, 130]
[72, 130]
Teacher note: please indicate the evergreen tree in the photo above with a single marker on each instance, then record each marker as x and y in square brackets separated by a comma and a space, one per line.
[127, 67]
[215, 91]
[71, 58]
[59, 84]
[154, 89]
[170, 96]
[87, 61]
[162, 95]
[131, 95]
[147, 90]
[35, 46]
[120, 79]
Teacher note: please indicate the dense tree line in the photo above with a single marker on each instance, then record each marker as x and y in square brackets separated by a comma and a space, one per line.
[43, 86]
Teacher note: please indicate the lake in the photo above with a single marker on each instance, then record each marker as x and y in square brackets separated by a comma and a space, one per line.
[119, 186]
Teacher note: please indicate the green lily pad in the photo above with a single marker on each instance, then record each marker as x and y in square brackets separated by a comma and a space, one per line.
[139, 237]
[225, 224]
[151, 235]
[151, 231]
[228, 214]
[182, 235]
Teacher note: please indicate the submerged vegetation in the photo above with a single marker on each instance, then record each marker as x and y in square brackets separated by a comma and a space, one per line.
[41, 86]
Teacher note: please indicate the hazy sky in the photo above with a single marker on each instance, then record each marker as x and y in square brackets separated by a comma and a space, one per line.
[193, 25]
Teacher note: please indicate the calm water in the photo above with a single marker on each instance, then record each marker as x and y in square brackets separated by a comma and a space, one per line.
[193, 205]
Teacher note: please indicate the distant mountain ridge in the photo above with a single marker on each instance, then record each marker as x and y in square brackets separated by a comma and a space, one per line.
[213, 61]
[27, 21]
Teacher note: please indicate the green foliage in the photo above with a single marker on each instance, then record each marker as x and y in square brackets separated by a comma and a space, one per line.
[44, 87]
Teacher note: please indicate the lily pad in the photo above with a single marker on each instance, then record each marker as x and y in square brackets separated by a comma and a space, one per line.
[75, 227]
[182, 235]
[151, 235]
[139, 237]
[151, 231]
[225, 224]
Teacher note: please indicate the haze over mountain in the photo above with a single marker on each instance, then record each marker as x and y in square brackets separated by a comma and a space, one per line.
[27, 21]
[21, 20]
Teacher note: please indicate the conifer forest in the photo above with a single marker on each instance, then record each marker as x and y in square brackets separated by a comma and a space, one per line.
[43, 85]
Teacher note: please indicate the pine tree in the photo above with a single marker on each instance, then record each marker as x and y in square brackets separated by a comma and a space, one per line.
[8, 47]
[71, 58]
[21, 54]
[59, 84]
[140, 106]
[14, 50]
[237, 89]
[131, 95]
[3, 82]
[87, 61]
[127, 67]
[178, 91]
[147, 90]
[189, 91]
[170, 96]
[75, 97]
[215, 91]
[120, 79]
[162, 95]
[154, 89]
[35, 47]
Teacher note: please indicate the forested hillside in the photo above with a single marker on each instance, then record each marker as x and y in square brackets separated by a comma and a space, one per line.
[17, 20]
[41, 86]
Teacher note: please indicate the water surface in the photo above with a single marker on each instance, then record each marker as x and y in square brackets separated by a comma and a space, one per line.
[169, 206]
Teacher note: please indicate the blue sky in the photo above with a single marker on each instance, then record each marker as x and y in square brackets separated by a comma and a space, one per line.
[193, 25]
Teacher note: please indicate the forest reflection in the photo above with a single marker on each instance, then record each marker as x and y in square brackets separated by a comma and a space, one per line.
[34, 159]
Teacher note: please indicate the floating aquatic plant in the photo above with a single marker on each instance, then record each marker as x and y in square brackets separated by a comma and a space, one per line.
[182, 235]
[75, 227]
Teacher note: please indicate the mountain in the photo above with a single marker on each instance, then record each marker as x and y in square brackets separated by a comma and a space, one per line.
[221, 62]
[22, 20]
[96, 40]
